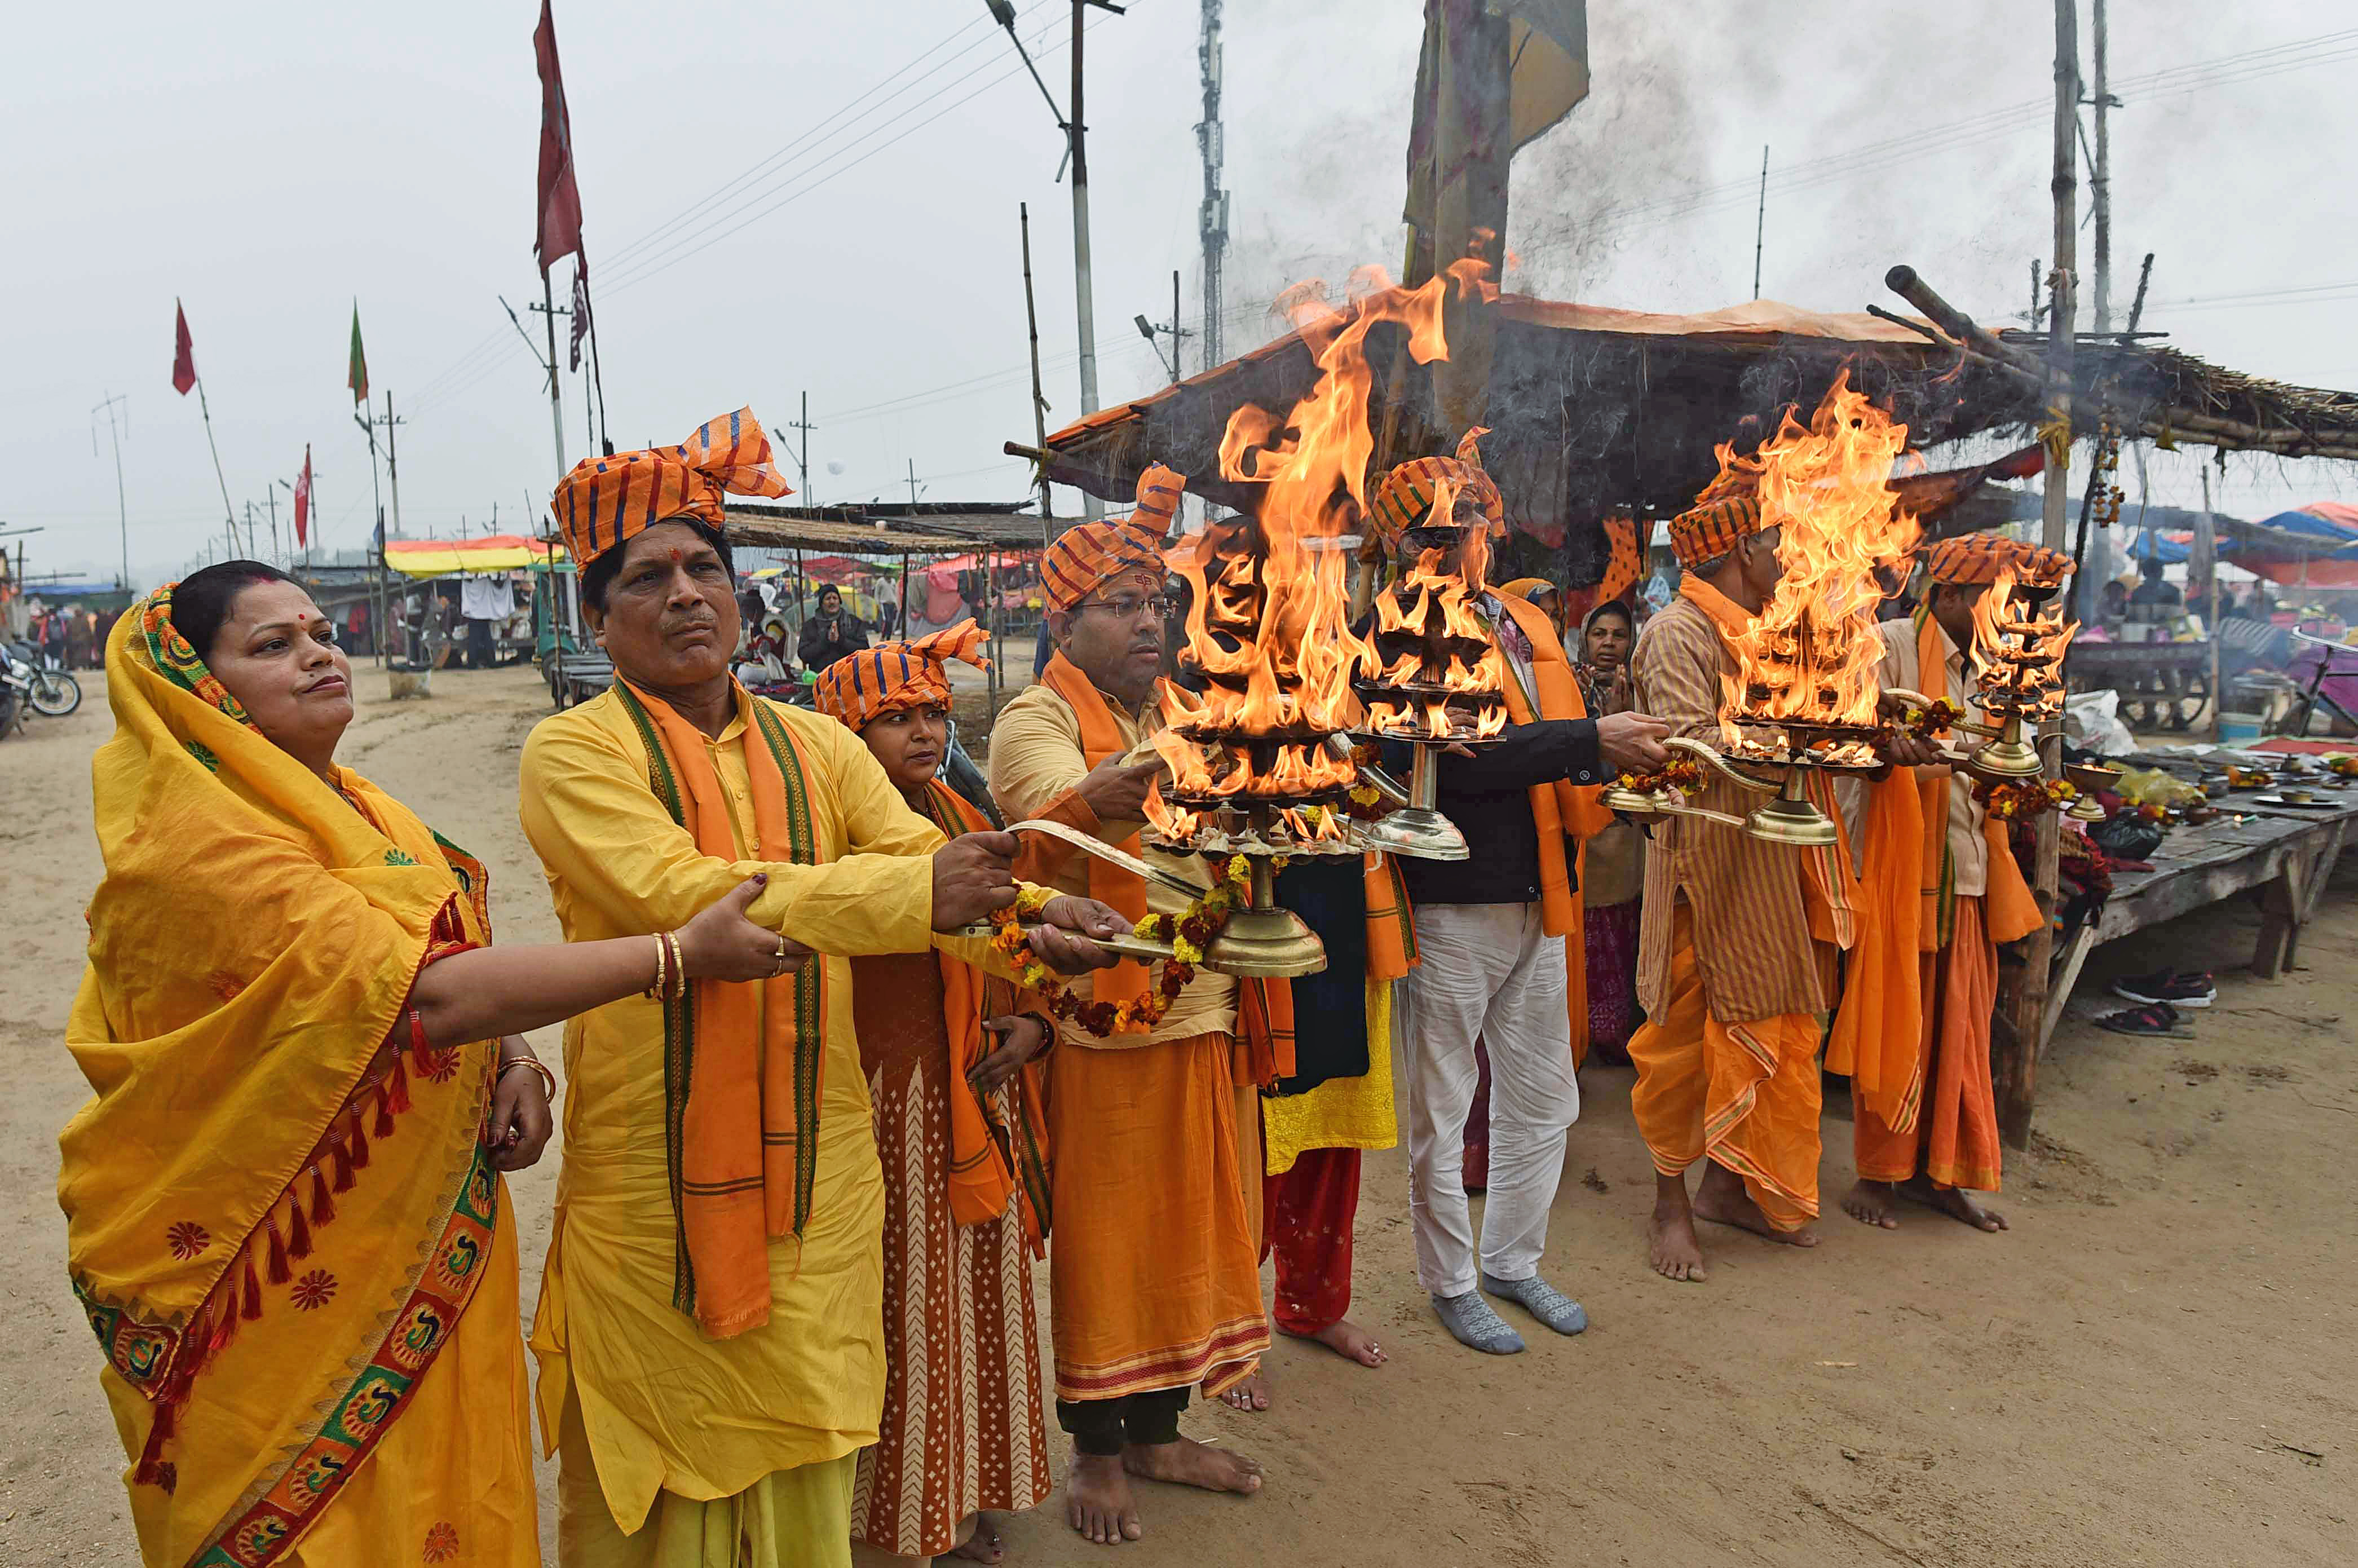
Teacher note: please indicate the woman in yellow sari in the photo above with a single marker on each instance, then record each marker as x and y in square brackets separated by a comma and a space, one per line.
[285, 1210]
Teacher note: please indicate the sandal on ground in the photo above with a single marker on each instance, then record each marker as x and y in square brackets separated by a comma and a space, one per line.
[2178, 988]
[2155, 1018]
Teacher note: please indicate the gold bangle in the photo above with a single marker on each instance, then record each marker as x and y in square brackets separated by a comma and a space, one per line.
[678, 968]
[548, 1078]
[654, 989]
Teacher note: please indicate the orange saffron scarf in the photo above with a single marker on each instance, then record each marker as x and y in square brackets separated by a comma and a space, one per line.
[1125, 892]
[741, 1101]
[993, 1157]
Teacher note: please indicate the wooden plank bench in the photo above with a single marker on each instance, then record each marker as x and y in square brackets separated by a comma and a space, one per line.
[2284, 852]
[576, 676]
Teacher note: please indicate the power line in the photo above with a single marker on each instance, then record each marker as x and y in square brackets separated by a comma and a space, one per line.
[704, 238]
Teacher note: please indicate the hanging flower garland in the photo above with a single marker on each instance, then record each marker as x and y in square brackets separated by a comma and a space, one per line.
[1189, 933]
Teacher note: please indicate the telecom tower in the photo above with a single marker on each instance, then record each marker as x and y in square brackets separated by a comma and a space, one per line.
[1213, 221]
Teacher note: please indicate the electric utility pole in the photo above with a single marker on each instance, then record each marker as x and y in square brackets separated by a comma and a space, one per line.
[806, 426]
[122, 507]
[1076, 131]
[1212, 219]
[2100, 183]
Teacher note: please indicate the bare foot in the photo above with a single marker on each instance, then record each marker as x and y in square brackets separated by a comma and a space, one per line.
[1251, 1395]
[1720, 1198]
[1187, 1463]
[1098, 1503]
[1672, 1248]
[1349, 1340]
[1871, 1202]
[983, 1545]
[1954, 1202]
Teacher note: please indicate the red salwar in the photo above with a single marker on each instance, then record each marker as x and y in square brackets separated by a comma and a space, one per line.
[1307, 1212]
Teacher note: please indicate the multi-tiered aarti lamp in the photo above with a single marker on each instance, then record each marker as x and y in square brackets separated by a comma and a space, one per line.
[1803, 697]
[2019, 640]
[1256, 738]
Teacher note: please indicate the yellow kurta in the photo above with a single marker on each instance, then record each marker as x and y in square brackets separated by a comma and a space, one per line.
[664, 1409]
[1341, 1113]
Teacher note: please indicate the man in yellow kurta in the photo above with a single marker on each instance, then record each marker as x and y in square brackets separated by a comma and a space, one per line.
[1154, 1280]
[709, 1327]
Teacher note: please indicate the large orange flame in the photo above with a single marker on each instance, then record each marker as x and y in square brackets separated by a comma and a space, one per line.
[2019, 644]
[1266, 620]
[1809, 657]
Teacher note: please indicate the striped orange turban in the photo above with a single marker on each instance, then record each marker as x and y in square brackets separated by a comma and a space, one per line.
[1975, 560]
[1728, 509]
[863, 686]
[605, 500]
[1405, 496]
[1086, 558]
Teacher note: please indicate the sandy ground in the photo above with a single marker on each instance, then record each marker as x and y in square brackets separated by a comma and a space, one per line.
[2156, 1364]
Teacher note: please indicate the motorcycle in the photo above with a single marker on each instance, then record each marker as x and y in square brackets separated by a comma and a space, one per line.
[53, 692]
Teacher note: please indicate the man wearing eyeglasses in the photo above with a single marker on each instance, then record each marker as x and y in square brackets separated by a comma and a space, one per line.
[1155, 1272]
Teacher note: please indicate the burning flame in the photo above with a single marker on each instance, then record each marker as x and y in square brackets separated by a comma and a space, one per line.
[1809, 657]
[1444, 648]
[1267, 620]
[2019, 643]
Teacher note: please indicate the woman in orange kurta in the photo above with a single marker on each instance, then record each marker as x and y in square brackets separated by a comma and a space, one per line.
[285, 1218]
[960, 1111]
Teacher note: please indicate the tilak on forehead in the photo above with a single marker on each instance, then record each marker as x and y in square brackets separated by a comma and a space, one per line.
[604, 502]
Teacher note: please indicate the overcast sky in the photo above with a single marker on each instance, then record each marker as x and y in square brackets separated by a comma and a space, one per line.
[268, 164]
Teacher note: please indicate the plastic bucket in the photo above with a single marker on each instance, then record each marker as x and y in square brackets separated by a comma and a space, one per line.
[2239, 726]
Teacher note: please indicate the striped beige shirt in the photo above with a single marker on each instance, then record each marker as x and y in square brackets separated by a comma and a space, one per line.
[1753, 946]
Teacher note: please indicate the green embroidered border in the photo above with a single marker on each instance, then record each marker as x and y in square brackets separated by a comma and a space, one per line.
[680, 1021]
[811, 1013]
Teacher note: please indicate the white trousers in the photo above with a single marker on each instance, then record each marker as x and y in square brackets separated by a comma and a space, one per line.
[1488, 969]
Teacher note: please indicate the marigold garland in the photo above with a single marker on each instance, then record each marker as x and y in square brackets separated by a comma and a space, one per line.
[1189, 933]
[2011, 802]
[1683, 774]
[1932, 722]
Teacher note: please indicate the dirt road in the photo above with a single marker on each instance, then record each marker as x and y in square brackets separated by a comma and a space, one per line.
[2156, 1364]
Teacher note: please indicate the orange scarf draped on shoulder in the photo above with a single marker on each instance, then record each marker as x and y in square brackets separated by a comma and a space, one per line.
[993, 1156]
[1109, 884]
[741, 1103]
[1559, 808]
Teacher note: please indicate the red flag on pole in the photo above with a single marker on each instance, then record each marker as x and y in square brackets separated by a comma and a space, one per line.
[184, 357]
[303, 501]
[560, 198]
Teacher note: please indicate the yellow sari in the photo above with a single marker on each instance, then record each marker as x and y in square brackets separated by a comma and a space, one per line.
[282, 1222]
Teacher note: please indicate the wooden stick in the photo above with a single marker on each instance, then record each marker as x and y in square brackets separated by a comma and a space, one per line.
[1902, 280]
[1912, 325]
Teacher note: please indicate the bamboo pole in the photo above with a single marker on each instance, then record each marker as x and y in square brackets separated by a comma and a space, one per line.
[2022, 1004]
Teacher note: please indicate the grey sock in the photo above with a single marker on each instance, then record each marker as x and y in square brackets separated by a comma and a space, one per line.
[1543, 1301]
[1470, 1320]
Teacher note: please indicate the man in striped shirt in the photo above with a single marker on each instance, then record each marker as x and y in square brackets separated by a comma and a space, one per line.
[1739, 937]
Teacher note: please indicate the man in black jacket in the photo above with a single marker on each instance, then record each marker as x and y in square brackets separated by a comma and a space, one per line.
[1489, 966]
[831, 632]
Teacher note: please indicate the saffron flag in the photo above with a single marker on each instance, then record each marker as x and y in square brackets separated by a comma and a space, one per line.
[560, 198]
[303, 501]
[184, 355]
[357, 377]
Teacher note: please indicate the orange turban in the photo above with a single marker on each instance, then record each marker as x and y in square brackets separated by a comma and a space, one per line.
[1523, 587]
[605, 500]
[860, 687]
[1086, 558]
[1728, 509]
[1973, 559]
[1405, 496]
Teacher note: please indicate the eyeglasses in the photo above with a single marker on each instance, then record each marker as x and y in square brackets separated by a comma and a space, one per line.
[1128, 606]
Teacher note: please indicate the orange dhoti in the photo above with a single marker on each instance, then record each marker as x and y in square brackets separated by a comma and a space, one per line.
[1154, 1275]
[1954, 1139]
[1744, 1094]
